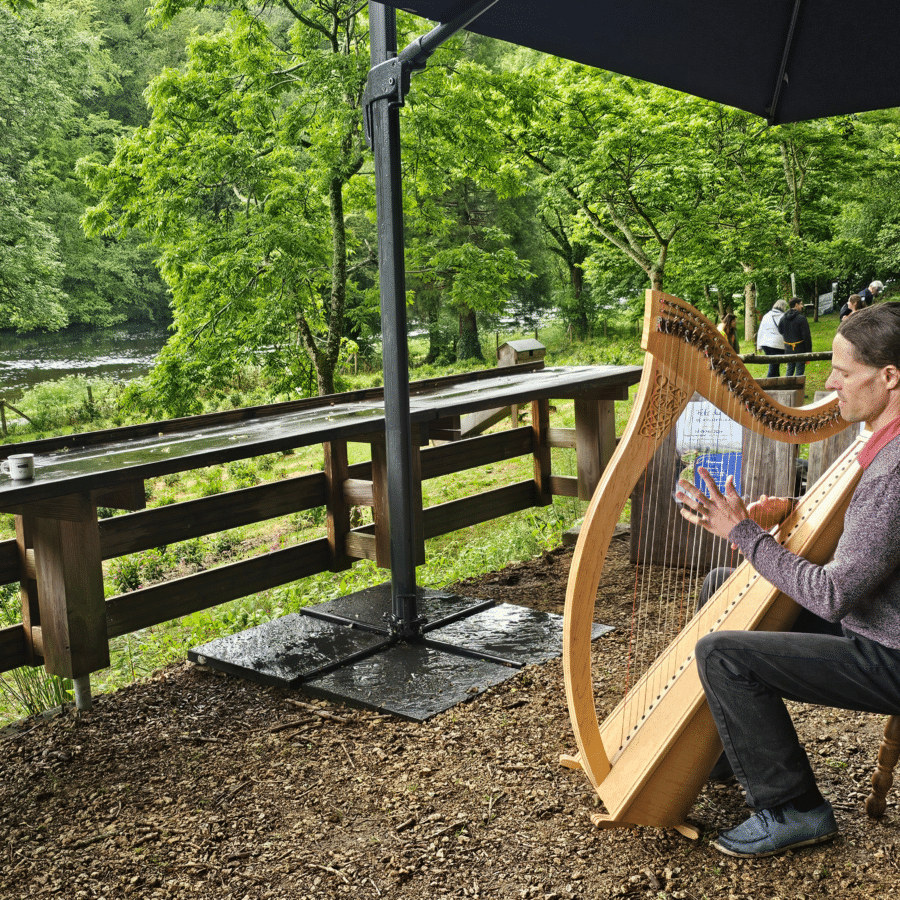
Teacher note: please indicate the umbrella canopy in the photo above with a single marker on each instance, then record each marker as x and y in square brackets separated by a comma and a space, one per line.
[784, 60]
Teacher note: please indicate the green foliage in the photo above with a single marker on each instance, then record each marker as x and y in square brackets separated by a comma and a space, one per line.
[246, 206]
[31, 691]
[54, 74]
[69, 402]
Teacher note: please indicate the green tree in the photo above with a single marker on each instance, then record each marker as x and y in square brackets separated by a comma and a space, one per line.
[867, 233]
[622, 151]
[467, 238]
[47, 57]
[54, 78]
[239, 179]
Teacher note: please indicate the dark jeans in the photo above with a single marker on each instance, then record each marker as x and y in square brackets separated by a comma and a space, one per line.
[774, 367]
[747, 675]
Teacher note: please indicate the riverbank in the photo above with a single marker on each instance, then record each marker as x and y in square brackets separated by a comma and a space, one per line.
[120, 353]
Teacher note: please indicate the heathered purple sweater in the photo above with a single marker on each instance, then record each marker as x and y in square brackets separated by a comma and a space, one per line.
[860, 587]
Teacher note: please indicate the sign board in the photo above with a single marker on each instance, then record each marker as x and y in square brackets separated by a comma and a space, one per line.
[704, 428]
[720, 466]
[705, 436]
[826, 303]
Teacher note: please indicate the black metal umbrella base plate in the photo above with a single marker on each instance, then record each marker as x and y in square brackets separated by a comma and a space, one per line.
[343, 650]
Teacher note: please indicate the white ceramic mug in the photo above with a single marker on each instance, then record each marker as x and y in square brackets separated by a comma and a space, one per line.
[19, 466]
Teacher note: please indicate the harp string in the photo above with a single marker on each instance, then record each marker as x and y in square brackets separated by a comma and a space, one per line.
[663, 601]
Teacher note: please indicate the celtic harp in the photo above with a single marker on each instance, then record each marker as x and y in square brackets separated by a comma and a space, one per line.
[653, 753]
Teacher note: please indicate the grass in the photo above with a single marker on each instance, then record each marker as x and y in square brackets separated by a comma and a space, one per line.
[66, 407]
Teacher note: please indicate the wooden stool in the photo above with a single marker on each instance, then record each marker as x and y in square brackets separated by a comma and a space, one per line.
[883, 778]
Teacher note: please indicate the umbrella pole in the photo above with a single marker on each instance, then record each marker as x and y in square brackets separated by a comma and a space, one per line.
[386, 88]
[385, 123]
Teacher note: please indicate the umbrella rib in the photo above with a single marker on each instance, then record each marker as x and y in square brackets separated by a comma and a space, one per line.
[773, 106]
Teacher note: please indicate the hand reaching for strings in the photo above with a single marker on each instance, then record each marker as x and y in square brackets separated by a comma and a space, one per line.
[719, 512]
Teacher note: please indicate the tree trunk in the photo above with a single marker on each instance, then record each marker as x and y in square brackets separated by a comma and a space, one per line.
[469, 346]
[749, 311]
[580, 318]
[329, 360]
[436, 344]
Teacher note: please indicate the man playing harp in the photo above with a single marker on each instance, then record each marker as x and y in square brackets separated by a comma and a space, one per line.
[747, 675]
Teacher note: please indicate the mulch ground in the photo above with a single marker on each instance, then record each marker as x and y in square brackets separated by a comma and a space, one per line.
[195, 785]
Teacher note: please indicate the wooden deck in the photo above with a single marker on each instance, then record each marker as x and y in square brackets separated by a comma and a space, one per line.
[60, 544]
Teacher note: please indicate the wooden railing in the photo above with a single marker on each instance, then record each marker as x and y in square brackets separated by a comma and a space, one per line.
[59, 546]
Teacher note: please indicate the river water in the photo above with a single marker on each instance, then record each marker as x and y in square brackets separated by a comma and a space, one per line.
[123, 352]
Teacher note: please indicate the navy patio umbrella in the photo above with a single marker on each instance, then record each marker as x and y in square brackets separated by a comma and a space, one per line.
[784, 60]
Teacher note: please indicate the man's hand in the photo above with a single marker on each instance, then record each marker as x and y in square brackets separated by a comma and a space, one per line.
[768, 512]
[718, 513]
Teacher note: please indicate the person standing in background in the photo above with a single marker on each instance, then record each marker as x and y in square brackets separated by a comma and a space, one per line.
[869, 293]
[728, 327]
[795, 330]
[769, 339]
[854, 302]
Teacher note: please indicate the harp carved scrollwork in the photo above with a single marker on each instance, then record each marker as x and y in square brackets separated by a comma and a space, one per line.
[666, 404]
[653, 753]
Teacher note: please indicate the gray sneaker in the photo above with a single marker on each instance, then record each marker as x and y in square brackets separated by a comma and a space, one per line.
[771, 831]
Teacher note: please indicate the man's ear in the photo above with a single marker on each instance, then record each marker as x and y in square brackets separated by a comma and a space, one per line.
[891, 375]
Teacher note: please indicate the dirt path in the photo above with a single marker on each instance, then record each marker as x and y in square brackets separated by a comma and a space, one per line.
[194, 785]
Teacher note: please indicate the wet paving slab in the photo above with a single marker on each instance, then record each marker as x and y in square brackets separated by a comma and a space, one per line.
[410, 680]
[343, 650]
[372, 607]
[285, 651]
[525, 635]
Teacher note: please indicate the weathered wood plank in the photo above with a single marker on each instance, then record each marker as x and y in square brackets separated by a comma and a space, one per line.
[564, 485]
[69, 508]
[562, 437]
[337, 508]
[9, 561]
[245, 414]
[130, 612]
[13, 648]
[595, 433]
[381, 510]
[540, 425]
[456, 514]
[770, 467]
[361, 543]
[129, 495]
[358, 492]
[28, 586]
[823, 453]
[151, 528]
[70, 587]
[447, 459]
[208, 515]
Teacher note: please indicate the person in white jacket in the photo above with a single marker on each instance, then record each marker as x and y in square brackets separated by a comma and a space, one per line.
[769, 339]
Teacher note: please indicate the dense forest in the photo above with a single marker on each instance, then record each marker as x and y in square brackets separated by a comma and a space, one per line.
[203, 163]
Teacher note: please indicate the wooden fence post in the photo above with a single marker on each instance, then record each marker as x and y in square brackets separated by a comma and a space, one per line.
[336, 473]
[540, 439]
[595, 441]
[28, 590]
[70, 586]
[381, 510]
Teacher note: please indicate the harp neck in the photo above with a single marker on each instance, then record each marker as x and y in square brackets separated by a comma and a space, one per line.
[694, 355]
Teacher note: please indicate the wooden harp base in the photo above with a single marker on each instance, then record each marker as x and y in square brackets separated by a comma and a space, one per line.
[601, 820]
